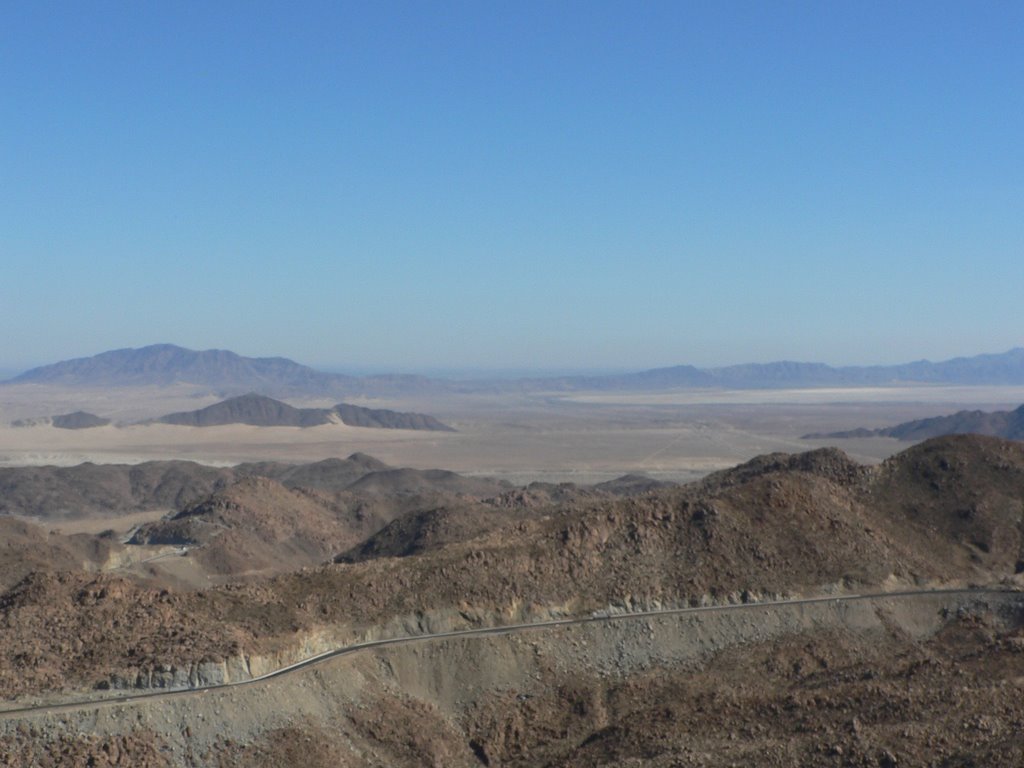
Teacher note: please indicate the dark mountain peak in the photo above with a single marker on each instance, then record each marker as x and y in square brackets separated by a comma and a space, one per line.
[255, 410]
[262, 411]
[79, 420]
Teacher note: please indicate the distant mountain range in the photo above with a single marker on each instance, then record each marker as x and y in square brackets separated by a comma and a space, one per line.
[217, 370]
[1004, 368]
[227, 373]
[1005, 424]
[261, 411]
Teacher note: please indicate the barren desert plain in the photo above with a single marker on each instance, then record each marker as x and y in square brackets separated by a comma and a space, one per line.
[558, 437]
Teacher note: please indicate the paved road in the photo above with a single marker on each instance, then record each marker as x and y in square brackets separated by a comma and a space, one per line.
[129, 698]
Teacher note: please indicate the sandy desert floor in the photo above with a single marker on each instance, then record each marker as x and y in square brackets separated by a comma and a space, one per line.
[580, 437]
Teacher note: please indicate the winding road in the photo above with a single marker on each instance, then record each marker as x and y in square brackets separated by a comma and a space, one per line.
[148, 696]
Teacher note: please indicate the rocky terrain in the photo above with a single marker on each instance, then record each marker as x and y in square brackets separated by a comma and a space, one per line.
[226, 524]
[57, 493]
[258, 525]
[829, 683]
[53, 493]
[1005, 424]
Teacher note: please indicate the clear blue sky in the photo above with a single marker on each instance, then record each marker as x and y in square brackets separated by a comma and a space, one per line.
[515, 184]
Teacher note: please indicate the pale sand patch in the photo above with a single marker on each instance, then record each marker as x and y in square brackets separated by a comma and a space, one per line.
[586, 453]
[222, 445]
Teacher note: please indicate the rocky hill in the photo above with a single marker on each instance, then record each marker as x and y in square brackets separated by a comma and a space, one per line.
[260, 411]
[1005, 424]
[430, 529]
[252, 409]
[257, 525]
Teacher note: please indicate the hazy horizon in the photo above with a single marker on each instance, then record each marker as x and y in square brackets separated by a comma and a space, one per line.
[475, 372]
[585, 186]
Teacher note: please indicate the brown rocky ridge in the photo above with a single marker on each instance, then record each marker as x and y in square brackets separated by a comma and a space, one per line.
[770, 527]
[89, 490]
[886, 682]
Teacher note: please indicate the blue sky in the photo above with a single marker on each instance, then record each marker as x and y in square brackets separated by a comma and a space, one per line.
[513, 185]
